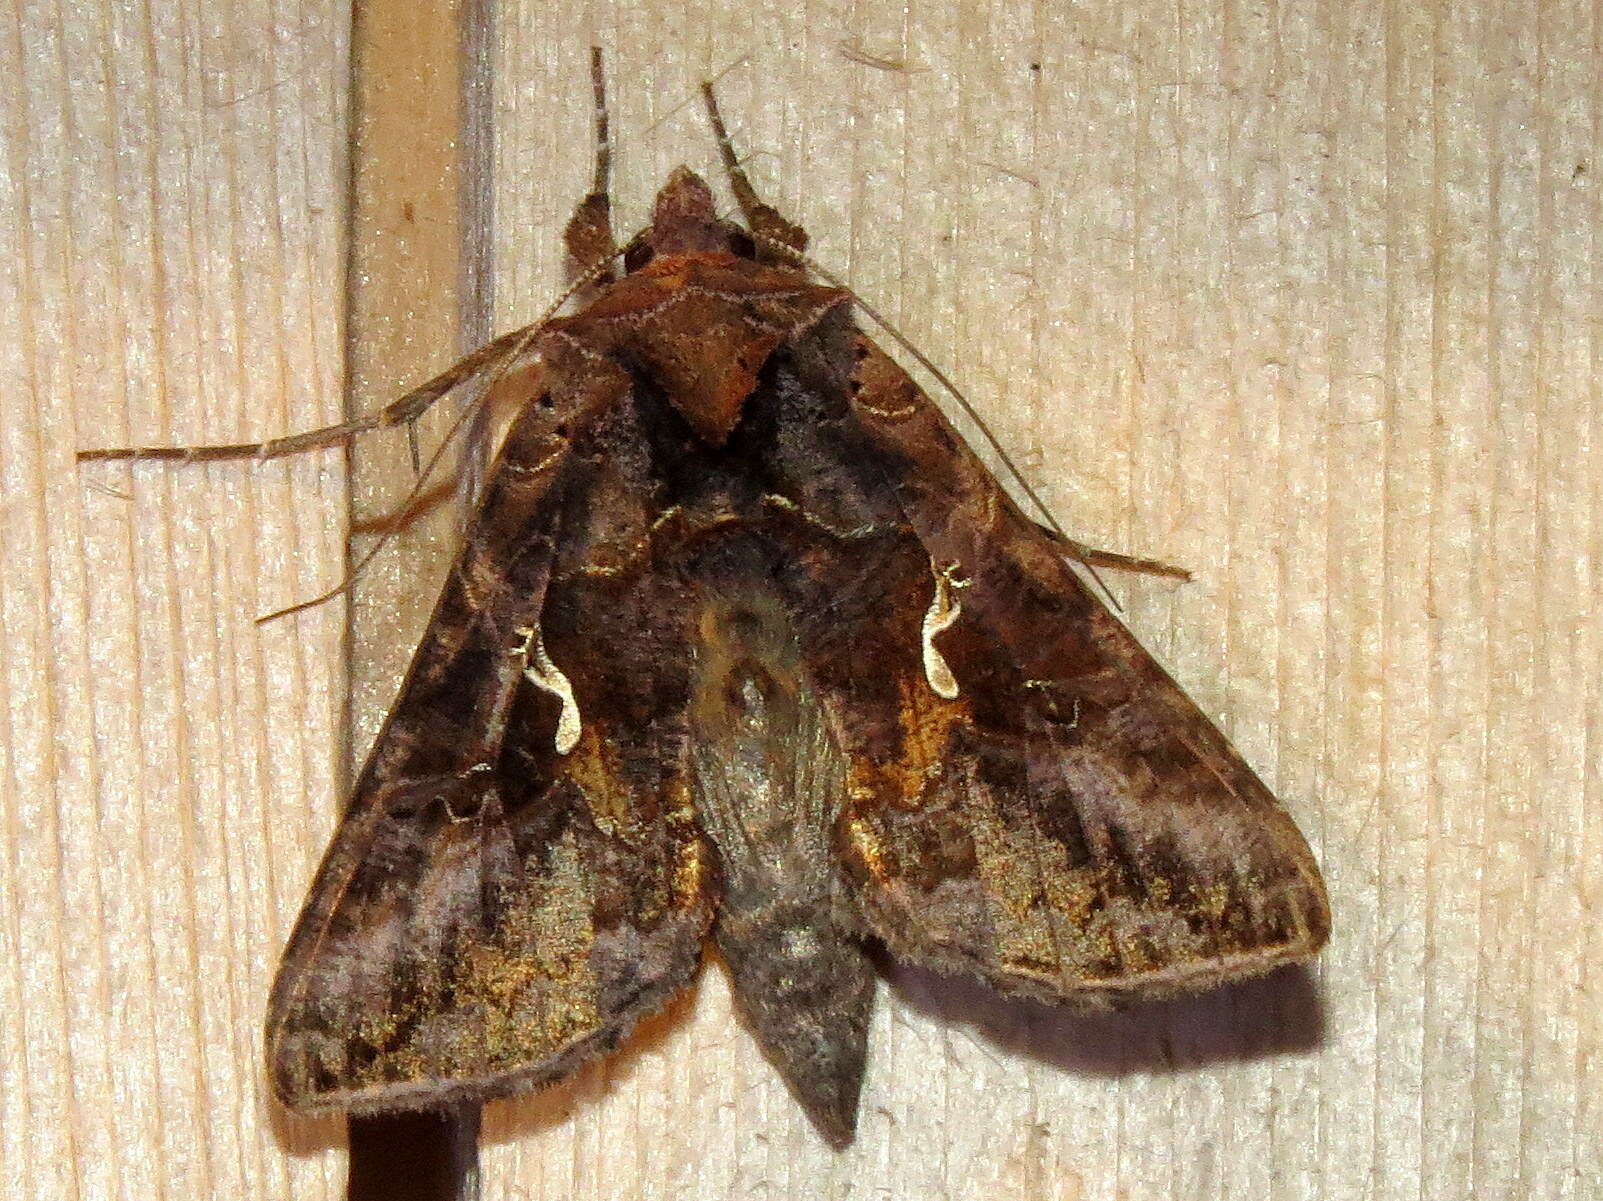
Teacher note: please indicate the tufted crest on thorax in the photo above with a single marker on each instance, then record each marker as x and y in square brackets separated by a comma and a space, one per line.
[701, 315]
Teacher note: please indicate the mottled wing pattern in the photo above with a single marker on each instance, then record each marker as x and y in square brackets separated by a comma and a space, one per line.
[1066, 823]
[495, 909]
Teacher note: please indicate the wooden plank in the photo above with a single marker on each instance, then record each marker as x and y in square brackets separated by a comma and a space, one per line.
[1304, 296]
[172, 205]
[417, 293]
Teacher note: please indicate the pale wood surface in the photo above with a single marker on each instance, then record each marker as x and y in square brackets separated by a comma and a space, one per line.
[1304, 296]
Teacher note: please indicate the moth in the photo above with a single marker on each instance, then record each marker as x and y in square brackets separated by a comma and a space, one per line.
[745, 645]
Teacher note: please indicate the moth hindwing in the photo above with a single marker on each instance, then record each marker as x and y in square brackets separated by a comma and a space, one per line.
[746, 645]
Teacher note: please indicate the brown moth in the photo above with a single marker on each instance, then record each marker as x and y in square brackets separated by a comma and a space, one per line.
[745, 643]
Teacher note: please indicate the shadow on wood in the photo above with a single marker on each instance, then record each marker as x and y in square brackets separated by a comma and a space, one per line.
[1281, 1013]
[429, 1156]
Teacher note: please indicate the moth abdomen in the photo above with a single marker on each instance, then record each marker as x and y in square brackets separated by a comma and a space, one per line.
[806, 990]
[768, 778]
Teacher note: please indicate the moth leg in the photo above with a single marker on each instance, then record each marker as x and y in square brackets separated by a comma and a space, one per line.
[1092, 557]
[775, 236]
[588, 236]
[406, 410]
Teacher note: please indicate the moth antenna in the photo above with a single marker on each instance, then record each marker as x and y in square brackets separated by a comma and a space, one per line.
[1050, 521]
[405, 411]
[384, 537]
[588, 235]
[1090, 555]
[739, 184]
[411, 445]
[598, 82]
[525, 338]
[501, 352]
[767, 226]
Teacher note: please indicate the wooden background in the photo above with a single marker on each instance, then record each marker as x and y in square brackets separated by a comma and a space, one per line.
[1303, 295]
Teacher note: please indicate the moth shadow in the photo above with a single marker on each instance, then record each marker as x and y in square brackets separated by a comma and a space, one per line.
[1278, 1014]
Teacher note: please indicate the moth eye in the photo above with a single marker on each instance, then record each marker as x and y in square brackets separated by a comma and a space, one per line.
[545, 401]
[741, 243]
[860, 351]
[637, 255]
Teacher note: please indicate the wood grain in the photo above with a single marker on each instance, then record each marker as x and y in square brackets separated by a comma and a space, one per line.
[1304, 296]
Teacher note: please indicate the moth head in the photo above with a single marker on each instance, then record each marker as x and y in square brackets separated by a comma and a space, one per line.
[684, 221]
